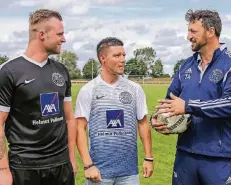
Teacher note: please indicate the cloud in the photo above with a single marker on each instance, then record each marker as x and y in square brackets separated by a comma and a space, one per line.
[14, 44]
[109, 1]
[166, 35]
[66, 7]
[25, 3]
[83, 34]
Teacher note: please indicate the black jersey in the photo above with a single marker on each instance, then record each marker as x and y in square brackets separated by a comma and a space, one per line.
[34, 94]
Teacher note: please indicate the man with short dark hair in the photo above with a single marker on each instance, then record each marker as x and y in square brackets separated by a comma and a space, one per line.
[35, 105]
[110, 106]
[202, 88]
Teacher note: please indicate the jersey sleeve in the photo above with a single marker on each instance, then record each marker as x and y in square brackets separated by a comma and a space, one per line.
[68, 89]
[6, 89]
[141, 104]
[83, 103]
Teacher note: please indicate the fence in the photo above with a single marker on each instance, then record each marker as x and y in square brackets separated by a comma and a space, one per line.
[143, 81]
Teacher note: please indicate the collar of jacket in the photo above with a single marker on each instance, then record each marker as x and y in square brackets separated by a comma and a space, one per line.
[216, 53]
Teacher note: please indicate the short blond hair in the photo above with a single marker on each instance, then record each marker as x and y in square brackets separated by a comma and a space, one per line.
[41, 16]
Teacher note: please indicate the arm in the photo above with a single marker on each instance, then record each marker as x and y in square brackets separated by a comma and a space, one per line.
[91, 172]
[82, 141]
[5, 174]
[71, 127]
[216, 108]
[4, 164]
[144, 130]
[6, 91]
[175, 86]
[82, 113]
[145, 136]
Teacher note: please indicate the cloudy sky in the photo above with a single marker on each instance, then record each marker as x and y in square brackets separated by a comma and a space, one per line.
[139, 23]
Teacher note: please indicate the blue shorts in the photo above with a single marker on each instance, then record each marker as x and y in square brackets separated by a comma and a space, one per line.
[194, 169]
[126, 180]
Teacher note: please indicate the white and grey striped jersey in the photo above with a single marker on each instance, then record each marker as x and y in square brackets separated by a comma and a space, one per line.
[112, 112]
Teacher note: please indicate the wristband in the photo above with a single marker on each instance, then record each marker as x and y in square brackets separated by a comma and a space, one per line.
[149, 159]
[89, 166]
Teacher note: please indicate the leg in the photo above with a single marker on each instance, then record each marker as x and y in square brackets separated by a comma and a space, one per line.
[25, 177]
[128, 180]
[59, 175]
[65, 175]
[215, 171]
[185, 169]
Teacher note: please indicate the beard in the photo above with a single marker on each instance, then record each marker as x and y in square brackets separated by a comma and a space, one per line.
[196, 46]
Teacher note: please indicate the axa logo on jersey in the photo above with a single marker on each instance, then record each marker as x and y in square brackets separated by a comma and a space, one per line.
[49, 103]
[115, 118]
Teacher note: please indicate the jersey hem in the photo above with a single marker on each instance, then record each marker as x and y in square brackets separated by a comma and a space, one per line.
[119, 175]
[206, 153]
[39, 167]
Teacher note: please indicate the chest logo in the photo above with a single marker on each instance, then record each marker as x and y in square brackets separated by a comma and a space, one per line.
[29, 81]
[115, 119]
[188, 73]
[216, 75]
[125, 97]
[58, 79]
[99, 97]
[49, 103]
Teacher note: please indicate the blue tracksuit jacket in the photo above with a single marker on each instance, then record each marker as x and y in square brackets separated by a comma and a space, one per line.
[207, 98]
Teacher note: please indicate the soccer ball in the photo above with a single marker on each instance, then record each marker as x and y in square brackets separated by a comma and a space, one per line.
[175, 124]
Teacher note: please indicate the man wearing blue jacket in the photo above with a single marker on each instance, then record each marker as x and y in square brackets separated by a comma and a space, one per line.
[202, 88]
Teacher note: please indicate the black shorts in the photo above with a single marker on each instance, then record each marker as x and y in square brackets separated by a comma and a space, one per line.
[59, 175]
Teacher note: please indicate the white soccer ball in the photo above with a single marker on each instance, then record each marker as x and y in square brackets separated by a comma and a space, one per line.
[175, 124]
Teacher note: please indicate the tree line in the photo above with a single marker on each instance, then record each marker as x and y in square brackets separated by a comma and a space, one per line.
[143, 63]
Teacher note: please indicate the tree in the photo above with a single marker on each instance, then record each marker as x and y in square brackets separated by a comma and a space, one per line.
[147, 55]
[3, 59]
[69, 59]
[176, 66]
[166, 76]
[135, 67]
[87, 69]
[157, 69]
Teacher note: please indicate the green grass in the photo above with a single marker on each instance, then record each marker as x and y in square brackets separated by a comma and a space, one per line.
[163, 147]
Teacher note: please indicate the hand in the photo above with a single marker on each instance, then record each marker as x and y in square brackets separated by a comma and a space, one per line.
[93, 174]
[5, 177]
[148, 168]
[158, 126]
[74, 166]
[175, 106]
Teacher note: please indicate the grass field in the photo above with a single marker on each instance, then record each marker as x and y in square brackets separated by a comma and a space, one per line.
[163, 147]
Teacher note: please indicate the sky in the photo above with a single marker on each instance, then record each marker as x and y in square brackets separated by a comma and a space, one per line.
[138, 23]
